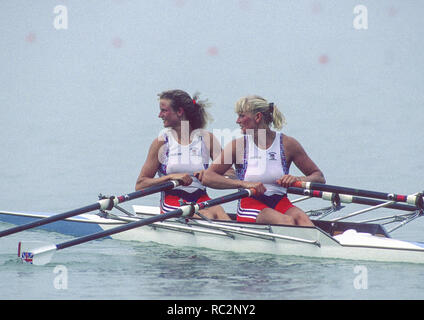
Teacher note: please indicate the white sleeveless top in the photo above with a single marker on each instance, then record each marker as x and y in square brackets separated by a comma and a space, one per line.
[264, 166]
[177, 158]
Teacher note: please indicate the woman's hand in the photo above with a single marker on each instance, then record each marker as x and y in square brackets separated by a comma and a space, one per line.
[258, 186]
[287, 180]
[199, 175]
[184, 178]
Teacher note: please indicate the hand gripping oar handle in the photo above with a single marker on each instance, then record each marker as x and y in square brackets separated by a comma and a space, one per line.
[416, 200]
[104, 204]
[43, 255]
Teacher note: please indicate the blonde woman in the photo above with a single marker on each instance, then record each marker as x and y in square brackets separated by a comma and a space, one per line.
[262, 158]
[181, 152]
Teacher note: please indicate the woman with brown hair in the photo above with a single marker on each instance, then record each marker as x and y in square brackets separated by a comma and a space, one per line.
[182, 151]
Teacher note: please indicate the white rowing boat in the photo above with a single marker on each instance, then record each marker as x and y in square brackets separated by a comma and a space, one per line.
[327, 239]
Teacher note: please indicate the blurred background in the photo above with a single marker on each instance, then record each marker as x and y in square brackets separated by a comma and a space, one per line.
[78, 98]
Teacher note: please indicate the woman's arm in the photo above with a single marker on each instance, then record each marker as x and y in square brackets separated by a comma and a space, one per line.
[295, 153]
[214, 176]
[215, 153]
[146, 178]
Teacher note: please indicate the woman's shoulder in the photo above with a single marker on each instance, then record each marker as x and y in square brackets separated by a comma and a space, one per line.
[238, 145]
[164, 134]
[158, 142]
[289, 140]
[291, 146]
[205, 134]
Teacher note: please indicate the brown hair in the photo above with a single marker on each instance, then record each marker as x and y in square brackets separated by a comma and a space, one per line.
[194, 108]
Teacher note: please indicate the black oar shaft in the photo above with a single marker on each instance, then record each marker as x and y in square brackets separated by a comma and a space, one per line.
[37, 223]
[125, 227]
[344, 190]
[150, 190]
[226, 198]
[352, 199]
[107, 203]
[417, 200]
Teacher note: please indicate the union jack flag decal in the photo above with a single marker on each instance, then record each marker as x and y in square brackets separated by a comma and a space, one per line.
[27, 256]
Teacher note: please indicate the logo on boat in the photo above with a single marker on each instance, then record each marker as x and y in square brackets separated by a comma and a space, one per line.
[27, 257]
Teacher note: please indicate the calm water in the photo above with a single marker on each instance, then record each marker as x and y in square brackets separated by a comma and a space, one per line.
[79, 111]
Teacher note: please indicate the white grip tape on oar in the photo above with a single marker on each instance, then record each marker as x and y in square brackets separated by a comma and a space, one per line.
[345, 198]
[327, 196]
[176, 183]
[108, 204]
[189, 210]
[414, 199]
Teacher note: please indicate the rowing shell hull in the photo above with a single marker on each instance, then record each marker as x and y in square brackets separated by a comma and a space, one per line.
[348, 245]
[241, 237]
[78, 226]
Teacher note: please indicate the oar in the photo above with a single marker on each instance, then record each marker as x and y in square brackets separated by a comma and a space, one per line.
[104, 204]
[416, 199]
[343, 198]
[43, 254]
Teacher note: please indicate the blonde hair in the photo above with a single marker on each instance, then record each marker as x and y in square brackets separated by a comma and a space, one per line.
[258, 104]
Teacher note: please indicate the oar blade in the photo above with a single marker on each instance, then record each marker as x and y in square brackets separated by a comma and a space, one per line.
[36, 252]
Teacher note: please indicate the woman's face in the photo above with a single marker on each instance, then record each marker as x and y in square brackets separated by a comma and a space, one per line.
[169, 116]
[246, 120]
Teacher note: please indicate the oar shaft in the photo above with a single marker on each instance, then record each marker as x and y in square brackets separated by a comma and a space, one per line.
[348, 198]
[148, 191]
[186, 210]
[105, 204]
[125, 227]
[226, 198]
[344, 190]
[410, 199]
[37, 223]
